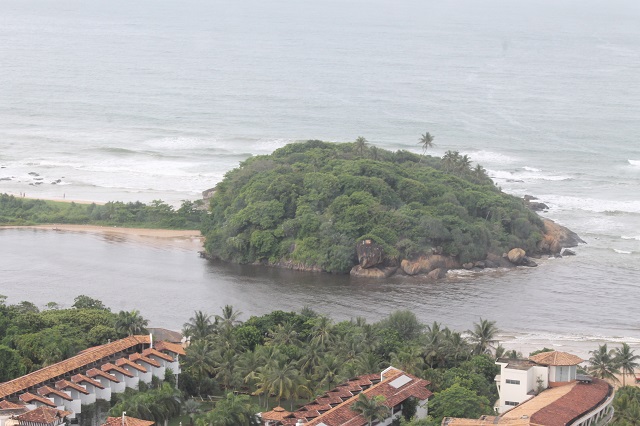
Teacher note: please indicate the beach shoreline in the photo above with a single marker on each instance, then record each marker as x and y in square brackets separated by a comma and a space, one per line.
[188, 239]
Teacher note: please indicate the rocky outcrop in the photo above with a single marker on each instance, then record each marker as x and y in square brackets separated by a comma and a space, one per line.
[369, 254]
[426, 264]
[556, 237]
[374, 272]
[533, 203]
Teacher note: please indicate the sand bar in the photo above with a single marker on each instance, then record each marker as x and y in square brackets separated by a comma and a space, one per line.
[188, 239]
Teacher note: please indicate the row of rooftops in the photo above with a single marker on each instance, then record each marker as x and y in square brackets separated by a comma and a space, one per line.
[36, 386]
[334, 407]
[46, 416]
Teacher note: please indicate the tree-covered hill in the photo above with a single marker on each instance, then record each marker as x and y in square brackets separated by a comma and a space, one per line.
[308, 204]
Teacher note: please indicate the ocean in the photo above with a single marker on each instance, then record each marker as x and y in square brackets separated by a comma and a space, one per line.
[158, 99]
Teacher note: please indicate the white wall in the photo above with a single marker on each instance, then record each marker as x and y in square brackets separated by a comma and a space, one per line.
[514, 392]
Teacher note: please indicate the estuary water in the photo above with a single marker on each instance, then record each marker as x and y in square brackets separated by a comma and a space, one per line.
[158, 99]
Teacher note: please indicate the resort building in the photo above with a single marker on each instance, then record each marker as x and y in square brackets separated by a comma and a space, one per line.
[334, 407]
[127, 421]
[94, 374]
[546, 390]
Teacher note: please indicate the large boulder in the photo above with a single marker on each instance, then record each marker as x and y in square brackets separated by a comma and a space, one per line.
[556, 237]
[369, 253]
[427, 263]
[437, 274]
[516, 255]
[375, 272]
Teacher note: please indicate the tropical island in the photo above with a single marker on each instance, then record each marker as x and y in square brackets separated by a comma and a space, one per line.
[351, 207]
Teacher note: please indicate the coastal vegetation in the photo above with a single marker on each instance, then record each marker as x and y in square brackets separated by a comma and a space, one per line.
[31, 338]
[157, 214]
[307, 205]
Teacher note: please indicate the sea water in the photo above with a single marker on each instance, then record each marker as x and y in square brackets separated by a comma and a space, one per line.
[159, 99]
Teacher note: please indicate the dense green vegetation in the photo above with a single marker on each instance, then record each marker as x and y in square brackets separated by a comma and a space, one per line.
[288, 358]
[31, 339]
[309, 203]
[157, 214]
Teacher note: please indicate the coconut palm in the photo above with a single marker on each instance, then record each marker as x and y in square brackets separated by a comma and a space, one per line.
[367, 363]
[603, 363]
[426, 141]
[483, 336]
[360, 145]
[626, 360]
[371, 408]
[191, 407]
[283, 334]
[408, 359]
[328, 370]
[200, 360]
[224, 367]
[131, 323]
[229, 317]
[322, 331]
[234, 410]
[199, 326]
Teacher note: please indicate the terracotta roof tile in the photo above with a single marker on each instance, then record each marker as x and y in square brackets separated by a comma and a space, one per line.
[65, 384]
[170, 347]
[342, 413]
[67, 366]
[43, 415]
[121, 362]
[582, 399]
[112, 367]
[7, 405]
[151, 351]
[128, 421]
[556, 358]
[138, 357]
[81, 378]
[94, 372]
[276, 414]
[46, 391]
[28, 397]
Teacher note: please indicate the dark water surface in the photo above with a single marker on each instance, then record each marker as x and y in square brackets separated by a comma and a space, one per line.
[551, 303]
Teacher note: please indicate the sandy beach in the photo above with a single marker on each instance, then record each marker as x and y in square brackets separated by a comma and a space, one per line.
[186, 239]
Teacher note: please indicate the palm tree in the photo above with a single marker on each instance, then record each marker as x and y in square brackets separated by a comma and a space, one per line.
[283, 334]
[426, 141]
[408, 359]
[321, 333]
[328, 371]
[367, 363]
[603, 363]
[626, 360]
[229, 317]
[131, 323]
[234, 410]
[483, 336]
[224, 367]
[200, 360]
[360, 145]
[199, 326]
[191, 407]
[371, 408]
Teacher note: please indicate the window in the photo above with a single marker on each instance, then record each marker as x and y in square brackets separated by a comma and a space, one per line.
[513, 382]
[510, 403]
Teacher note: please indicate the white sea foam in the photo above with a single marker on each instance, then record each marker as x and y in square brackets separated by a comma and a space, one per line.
[622, 251]
[526, 175]
[637, 238]
[635, 163]
[531, 169]
[490, 157]
[566, 202]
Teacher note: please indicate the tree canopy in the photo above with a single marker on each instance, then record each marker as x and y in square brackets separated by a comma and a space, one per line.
[309, 203]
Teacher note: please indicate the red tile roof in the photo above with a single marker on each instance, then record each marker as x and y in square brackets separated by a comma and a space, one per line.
[94, 372]
[276, 414]
[28, 397]
[43, 415]
[64, 384]
[128, 421]
[556, 358]
[138, 357]
[81, 378]
[7, 405]
[121, 362]
[170, 347]
[46, 391]
[112, 367]
[67, 366]
[151, 351]
[583, 398]
[342, 413]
